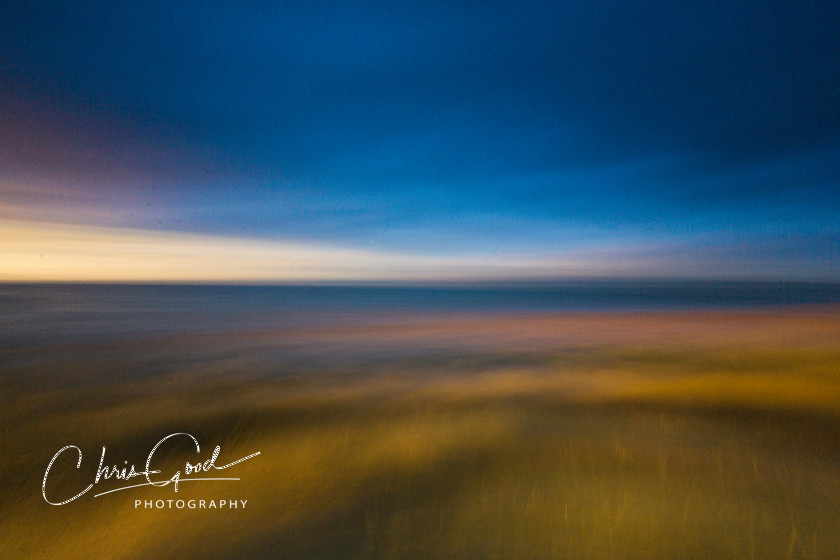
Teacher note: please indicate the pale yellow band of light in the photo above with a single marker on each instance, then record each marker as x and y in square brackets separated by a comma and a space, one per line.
[45, 252]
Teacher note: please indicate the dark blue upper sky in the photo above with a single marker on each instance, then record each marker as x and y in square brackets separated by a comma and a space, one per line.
[665, 132]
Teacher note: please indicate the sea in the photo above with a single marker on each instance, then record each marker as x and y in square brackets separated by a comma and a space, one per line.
[30, 312]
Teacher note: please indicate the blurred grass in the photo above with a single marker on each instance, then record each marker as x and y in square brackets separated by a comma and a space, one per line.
[603, 447]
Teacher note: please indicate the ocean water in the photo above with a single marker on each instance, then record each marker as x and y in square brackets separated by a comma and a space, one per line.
[38, 311]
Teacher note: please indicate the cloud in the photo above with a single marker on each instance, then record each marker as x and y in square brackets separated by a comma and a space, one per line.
[46, 252]
[34, 251]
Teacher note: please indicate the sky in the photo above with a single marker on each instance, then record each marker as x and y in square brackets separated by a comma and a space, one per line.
[279, 141]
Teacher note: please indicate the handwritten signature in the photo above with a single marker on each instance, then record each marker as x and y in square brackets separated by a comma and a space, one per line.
[127, 472]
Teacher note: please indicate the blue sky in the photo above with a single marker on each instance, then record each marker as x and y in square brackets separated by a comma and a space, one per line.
[636, 138]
